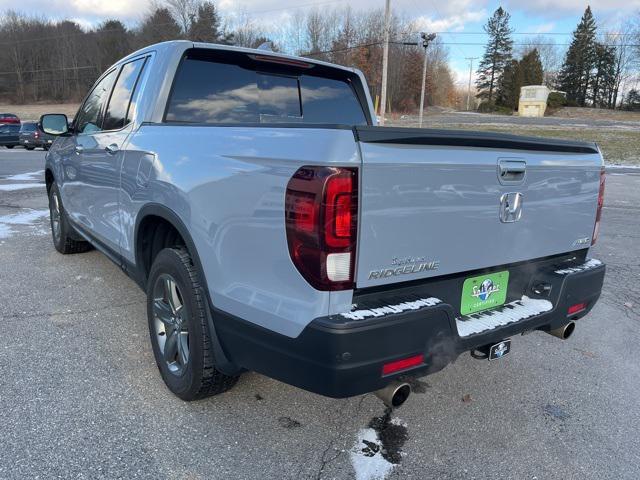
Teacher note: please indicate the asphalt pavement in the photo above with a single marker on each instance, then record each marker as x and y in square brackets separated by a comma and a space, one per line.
[81, 397]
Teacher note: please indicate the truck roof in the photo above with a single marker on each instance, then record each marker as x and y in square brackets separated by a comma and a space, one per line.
[182, 45]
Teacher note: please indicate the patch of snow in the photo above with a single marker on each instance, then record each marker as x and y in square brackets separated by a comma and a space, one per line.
[368, 462]
[591, 263]
[510, 313]
[29, 176]
[10, 187]
[28, 218]
[613, 167]
[391, 309]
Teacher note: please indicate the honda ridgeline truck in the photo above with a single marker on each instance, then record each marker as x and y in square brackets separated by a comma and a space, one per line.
[275, 228]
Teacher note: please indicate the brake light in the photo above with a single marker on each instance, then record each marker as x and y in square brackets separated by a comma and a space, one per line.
[596, 227]
[403, 364]
[321, 210]
[578, 307]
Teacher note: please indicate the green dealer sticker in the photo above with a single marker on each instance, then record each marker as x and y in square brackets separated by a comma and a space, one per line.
[483, 292]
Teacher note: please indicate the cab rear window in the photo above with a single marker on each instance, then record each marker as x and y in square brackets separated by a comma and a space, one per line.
[220, 87]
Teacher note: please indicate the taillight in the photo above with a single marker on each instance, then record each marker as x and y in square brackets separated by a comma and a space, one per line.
[321, 221]
[596, 227]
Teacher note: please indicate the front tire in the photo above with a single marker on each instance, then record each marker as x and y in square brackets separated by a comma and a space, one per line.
[61, 230]
[179, 330]
[10, 146]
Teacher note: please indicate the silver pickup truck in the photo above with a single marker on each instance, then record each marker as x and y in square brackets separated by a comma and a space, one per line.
[276, 228]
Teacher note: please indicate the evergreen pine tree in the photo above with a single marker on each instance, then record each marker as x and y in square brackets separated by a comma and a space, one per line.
[531, 69]
[497, 54]
[575, 76]
[205, 26]
[509, 85]
[604, 76]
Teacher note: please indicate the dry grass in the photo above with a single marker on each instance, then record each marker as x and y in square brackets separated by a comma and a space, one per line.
[34, 111]
[619, 146]
[597, 114]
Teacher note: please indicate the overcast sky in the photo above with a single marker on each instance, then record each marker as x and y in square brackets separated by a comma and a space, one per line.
[463, 17]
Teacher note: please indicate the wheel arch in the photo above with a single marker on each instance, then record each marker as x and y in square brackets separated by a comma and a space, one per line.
[154, 212]
[48, 178]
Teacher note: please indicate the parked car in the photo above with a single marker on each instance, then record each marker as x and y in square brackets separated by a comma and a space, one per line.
[32, 136]
[276, 228]
[9, 129]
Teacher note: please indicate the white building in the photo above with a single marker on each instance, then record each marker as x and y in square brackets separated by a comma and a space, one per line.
[533, 101]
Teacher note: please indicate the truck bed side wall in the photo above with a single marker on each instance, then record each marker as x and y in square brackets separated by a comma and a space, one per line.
[227, 185]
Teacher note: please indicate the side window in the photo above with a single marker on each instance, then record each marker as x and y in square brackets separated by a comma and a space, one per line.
[212, 92]
[121, 104]
[90, 114]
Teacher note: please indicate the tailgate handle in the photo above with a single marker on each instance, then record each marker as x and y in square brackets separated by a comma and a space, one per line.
[511, 171]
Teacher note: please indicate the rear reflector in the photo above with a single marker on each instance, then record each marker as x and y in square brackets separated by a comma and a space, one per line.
[578, 307]
[403, 364]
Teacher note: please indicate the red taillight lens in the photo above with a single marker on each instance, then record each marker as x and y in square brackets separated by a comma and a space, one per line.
[596, 227]
[321, 218]
[403, 364]
[578, 307]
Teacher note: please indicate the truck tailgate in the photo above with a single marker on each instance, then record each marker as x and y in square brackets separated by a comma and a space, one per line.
[440, 202]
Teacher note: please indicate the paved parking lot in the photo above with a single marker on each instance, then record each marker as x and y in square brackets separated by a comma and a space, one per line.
[81, 397]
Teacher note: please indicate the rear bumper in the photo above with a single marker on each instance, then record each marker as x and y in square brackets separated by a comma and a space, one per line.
[9, 140]
[341, 357]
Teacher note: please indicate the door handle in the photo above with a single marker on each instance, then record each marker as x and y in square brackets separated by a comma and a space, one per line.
[111, 149]
[79, 149]
[511, 171]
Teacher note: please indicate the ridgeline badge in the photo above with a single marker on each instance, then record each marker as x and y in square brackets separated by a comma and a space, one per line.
[404, 268]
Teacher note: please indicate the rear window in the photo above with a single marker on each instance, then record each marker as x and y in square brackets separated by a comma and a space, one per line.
[28, 127]
[231, 87]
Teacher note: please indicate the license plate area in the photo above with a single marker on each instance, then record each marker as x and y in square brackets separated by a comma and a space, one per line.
[483, 292]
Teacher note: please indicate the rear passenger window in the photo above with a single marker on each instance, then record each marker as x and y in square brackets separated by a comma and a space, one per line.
[119, 111]
[229, 87]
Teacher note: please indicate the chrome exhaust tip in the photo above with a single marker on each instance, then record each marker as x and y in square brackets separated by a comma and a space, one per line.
[394, 394]
[563, 332]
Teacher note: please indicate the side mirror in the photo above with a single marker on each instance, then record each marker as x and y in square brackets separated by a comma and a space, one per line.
[54, 124]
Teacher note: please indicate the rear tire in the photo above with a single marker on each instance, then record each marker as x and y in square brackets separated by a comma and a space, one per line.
[178, 328]
[10, 146]
[61, 230]
[30, 148]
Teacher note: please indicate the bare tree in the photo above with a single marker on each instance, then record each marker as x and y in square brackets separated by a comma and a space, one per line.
[550, 56]
[184, 11]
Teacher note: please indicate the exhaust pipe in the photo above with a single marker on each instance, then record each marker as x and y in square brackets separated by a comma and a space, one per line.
[563, 332]
[394, 394]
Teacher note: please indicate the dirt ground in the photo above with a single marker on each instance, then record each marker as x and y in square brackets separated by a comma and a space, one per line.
[33, 112]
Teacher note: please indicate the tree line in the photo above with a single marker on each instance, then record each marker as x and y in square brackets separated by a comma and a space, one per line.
[57, 61]
[593, 72]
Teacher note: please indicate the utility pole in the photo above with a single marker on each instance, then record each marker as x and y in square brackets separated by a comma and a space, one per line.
[471, 59]
[385, 60]
[426, 38]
